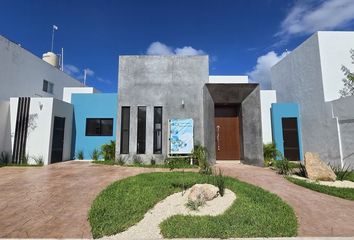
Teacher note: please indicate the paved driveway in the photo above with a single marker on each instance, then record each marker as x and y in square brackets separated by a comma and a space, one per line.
[53, 201]
[318, 214]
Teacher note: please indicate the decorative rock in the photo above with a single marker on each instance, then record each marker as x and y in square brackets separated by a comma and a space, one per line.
[316, 169]
[203, 192]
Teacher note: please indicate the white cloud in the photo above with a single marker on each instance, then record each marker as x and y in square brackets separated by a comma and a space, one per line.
[309, 16]
[102, 80]
[158, 48]
[188, 51]
[89, 72]
[261, 72]
[71, 69]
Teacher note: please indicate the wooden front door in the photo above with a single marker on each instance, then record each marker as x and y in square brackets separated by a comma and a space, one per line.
[291, 139]
[227, 133]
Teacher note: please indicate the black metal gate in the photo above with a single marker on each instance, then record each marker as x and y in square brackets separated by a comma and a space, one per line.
[58, 140]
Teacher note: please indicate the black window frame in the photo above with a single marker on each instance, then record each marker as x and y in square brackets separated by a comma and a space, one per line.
[157, 132]
[141, 130]
[47, 86]
[125, 130]
[100, 133]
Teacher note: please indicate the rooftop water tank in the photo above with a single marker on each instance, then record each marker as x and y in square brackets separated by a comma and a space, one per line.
[51, 58]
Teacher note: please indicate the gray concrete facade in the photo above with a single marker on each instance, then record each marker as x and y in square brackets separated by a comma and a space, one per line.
[167, 81]
[298, 78]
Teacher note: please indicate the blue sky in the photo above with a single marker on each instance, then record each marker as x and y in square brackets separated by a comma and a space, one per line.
[240, 36]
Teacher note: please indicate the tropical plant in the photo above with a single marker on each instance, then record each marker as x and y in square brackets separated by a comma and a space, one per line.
[80, 155]
[270, 154]
[200, 157]
[38, 160]
[108, 150]
[302, 170]
[95, 155]
[121, 160]
[220, 182]
[348, 81]
[194, 205]
[137, 160]
[4, 158]
[283, 166]
[341, 172]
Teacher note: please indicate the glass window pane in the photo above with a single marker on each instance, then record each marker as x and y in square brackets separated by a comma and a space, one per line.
[107, 127]
[125, 125]
[92, 127]
[141, 130]
[157, 130]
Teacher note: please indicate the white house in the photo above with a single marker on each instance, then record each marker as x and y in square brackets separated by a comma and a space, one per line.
[311, 76]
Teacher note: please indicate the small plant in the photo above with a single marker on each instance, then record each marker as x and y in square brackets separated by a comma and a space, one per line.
[137, 160]
[4, 158]
[80, 155]
[341, 172]
[95, 155]
[38, 160]
[302, 171]
[24, 159]
[108, 150]
[283, 166]
[220, 182]
[194, 205]
[152, 161]
[200, 156]
[121, 160]
[270, 154]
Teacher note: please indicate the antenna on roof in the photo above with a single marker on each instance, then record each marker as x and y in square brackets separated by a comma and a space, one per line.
[62, 59]
[85, 76]
[54, 29]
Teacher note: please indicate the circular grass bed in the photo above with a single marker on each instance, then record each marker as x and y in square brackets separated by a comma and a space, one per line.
[255, 213]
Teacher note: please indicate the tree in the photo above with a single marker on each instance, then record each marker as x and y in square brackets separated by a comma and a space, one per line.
[348, 89]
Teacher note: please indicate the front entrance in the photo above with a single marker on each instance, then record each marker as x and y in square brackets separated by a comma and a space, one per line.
[227, 132]
[58, 140]
[291, 139]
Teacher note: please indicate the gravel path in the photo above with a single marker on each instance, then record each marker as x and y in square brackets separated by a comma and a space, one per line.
[338, 184]
[148, 228]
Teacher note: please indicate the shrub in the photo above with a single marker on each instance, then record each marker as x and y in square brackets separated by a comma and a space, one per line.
[121, 160]
[341, 172]
[153, 161]
[80, 155]
[194, 205]
[177, 162]
[302, 171]
[24, 159]
[4, 158]
[38, 160]
[220, 183]
[270, 153]
[108, 150]
[95, 155]
[137, 160]
[200, 156]
[283, 166]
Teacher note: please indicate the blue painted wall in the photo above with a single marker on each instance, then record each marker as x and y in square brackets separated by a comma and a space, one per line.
[284, 110]
[96, 105]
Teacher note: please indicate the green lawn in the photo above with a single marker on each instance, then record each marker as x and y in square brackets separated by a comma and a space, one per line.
[255, 213]
[346, 193]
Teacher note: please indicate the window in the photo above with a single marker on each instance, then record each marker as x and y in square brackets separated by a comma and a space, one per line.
[99, 126]
[157, 130]
[125, 125]
[48, 87]
[141, 135]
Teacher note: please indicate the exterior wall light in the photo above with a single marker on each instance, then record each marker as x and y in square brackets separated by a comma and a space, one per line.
[182, 103]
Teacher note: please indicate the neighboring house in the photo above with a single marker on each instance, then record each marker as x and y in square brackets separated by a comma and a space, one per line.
[36, 122]
[311, 76]
[166, 104]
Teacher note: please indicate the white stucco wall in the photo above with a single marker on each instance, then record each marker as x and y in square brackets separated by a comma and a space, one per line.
[298, 78]
[334, 52]
[267, 98]
[68, 91]
[40, 128]
[228, 79]
[22, 74]
[5, 132]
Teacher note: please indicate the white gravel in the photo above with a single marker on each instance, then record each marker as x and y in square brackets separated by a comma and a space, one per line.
[148, 228]
[339, 184]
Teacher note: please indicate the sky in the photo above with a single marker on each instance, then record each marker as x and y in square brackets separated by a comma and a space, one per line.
[241, 37]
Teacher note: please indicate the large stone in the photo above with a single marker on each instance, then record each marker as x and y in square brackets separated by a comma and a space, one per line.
[316, 169]
[203, 192]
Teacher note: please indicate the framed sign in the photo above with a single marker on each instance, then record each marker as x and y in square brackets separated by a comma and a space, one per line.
[181, 136]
